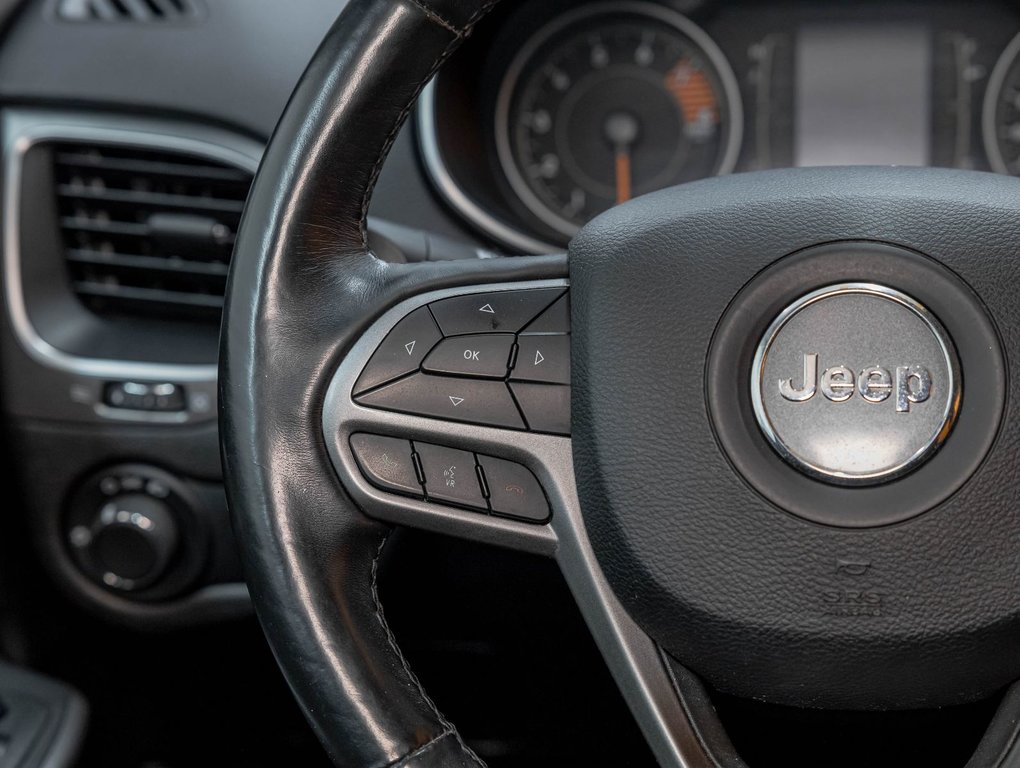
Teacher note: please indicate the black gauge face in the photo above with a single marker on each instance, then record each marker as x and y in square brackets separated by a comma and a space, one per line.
[1001, 118]
[611, 102]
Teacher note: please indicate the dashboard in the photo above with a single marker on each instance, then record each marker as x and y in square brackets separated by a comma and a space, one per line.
[553, 112]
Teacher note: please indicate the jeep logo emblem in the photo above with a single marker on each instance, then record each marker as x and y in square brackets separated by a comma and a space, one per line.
[838, 372]
[910, 383]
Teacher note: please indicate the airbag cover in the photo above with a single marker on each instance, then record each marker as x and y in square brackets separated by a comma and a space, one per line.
[750, 577]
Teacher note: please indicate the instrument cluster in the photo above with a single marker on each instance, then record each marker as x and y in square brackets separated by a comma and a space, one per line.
[555, 111]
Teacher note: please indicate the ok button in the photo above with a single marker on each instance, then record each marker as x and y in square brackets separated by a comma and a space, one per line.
[481, 355]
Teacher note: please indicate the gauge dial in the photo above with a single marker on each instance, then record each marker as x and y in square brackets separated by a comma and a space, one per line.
[1001, 114]
[610, 102]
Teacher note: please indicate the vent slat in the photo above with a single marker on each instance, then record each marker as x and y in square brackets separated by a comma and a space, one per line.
[158, 199]
[147, 232]
[96, 160]
[102, 227]
[157, 263]
[153, 295]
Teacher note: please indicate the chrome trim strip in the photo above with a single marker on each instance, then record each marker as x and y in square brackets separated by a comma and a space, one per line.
[23, 130]
[460, 201]
[993, 91]
[630, 654]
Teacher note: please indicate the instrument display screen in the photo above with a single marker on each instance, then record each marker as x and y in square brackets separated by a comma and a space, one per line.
[863, 94]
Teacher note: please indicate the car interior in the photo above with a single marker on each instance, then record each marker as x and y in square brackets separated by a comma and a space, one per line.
[432, 383]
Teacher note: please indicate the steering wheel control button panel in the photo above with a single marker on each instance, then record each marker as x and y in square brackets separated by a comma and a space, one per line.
[387, 463]
[402, 351]
[451, 476]
[498, 312]
[545, 406]
[467, 359]
[475, 401]
[513, 490]
[543, 358]
[855, 384]
[480, 355]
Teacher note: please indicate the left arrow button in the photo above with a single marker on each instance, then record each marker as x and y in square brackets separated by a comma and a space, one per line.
[402, 351]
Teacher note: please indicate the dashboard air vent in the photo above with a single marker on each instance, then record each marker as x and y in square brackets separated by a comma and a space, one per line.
[126, 10]
[147, 232]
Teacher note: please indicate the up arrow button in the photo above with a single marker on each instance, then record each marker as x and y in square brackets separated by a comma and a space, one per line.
[499, 311]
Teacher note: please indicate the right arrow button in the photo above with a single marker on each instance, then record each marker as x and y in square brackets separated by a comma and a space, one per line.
[543, 358]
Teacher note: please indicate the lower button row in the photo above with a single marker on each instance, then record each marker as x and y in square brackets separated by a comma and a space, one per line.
[452, 476]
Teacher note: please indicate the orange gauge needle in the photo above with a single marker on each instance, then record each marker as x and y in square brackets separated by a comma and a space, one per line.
[622, 129]
[623, 193]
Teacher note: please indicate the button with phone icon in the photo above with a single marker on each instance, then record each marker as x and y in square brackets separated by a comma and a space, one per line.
[513, 490]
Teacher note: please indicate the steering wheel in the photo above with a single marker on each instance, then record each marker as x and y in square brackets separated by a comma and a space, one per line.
[762, 423]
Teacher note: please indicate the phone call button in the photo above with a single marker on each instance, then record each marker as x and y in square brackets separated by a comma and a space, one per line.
[513, 490]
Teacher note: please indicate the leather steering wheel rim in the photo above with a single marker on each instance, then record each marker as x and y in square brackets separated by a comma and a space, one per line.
[303, 283]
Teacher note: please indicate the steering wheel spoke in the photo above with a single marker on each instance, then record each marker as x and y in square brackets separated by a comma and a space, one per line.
[451, 414]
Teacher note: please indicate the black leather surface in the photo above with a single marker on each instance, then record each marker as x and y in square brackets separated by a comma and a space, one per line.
[302, 288]
[457, 15]
[734, 587]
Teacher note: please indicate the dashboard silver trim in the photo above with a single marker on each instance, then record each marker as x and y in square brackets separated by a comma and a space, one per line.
[992, 93]
[730, 86]
[444, 183]
[631, 656]
[24, 130]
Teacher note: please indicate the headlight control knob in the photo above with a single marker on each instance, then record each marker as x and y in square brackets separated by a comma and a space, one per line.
[138, 530]
[129, 542]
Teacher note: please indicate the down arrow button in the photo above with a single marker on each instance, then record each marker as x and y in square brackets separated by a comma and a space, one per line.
[478, 401]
